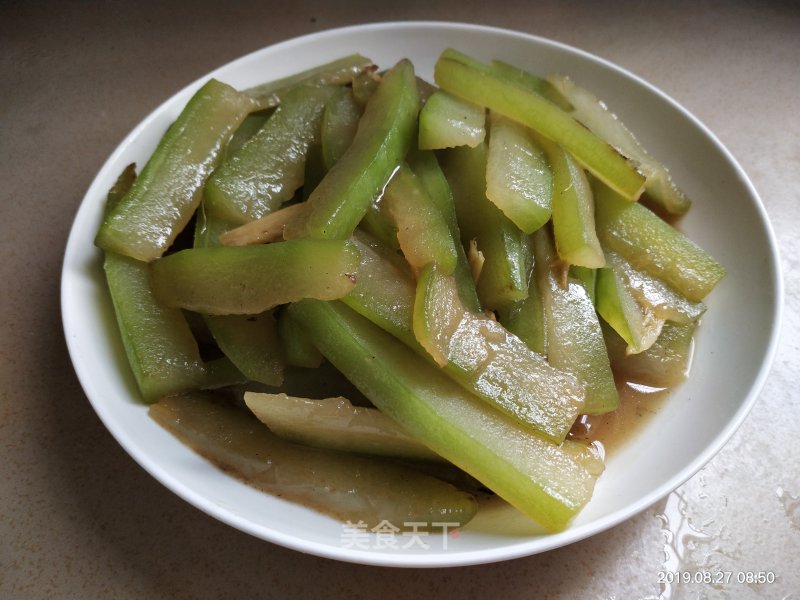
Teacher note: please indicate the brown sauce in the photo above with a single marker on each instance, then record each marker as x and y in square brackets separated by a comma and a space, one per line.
[637, 405]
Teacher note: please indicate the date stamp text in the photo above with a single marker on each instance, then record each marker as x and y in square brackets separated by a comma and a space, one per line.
[716, 577]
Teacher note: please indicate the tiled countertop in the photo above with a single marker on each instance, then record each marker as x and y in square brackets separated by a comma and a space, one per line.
[78, 518]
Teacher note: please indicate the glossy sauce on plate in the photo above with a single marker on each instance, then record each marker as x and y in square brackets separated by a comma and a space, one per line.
[637, 405]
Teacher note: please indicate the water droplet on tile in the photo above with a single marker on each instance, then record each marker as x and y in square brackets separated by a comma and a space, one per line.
[791, 505]
[679, 532]
[686, 546]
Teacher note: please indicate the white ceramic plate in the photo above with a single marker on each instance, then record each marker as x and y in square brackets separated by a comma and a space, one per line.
[734, 349]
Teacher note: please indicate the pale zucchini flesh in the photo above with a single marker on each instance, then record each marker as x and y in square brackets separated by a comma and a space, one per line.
[533, 474]
[506, 249]
[636, 324]
[335, 424]
[519, 180]
[249, 280]
[447, 121]
[167, 192]
[654, 246]
[595, 114]
[574, 338]
[270, 166]
[477, 83]
[337, 72]
[487, 358]
[346, 486]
